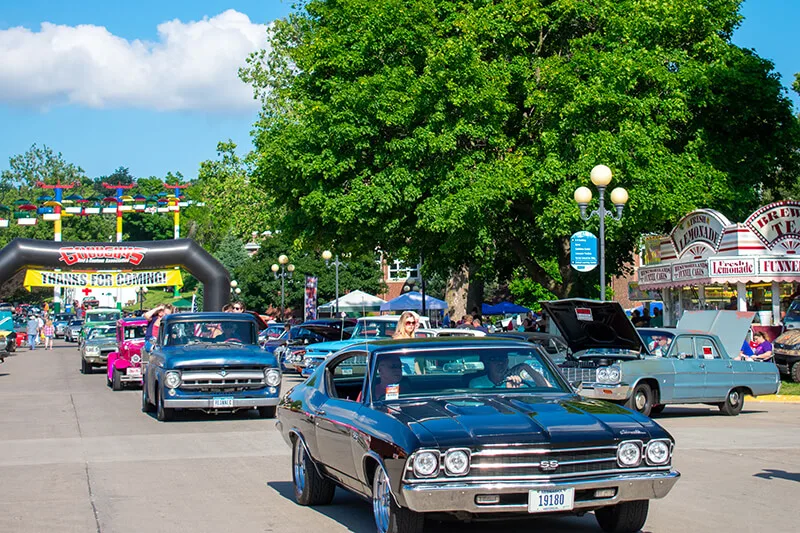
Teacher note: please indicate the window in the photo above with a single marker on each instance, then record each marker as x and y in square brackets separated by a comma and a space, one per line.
[398, 271]
[684, 347]
[345, 377]
[706, 349]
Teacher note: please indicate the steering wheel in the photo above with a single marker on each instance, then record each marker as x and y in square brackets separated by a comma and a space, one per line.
[233, 339]
[527, 374]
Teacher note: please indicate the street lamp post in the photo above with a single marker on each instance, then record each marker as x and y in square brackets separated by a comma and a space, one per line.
[285, 271]
[601, 177]
[141, 292]
[326, 255]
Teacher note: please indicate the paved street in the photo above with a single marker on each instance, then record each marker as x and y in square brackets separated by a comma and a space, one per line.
[77, 457]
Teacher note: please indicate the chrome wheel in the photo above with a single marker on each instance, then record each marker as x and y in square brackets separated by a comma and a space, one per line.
[641, 400]
[299, 468]
[734, 397]
[381, 500]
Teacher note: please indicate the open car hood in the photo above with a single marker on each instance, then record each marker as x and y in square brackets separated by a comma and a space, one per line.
[590, 324]
[730, 326]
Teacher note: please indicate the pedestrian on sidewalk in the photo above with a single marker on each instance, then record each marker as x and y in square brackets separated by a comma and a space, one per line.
[49, 332]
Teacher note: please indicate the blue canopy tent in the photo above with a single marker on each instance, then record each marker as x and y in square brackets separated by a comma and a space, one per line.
[653, 306]
[412, 301]
[503, 308]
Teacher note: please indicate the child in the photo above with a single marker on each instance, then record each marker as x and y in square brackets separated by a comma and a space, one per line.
[49, 332]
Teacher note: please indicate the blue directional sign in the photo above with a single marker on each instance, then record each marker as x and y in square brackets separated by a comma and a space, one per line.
[583, 251]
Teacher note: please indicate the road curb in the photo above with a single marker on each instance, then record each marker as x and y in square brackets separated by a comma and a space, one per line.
[775, 398]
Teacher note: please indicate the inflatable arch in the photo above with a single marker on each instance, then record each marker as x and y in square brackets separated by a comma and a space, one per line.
[185, 253]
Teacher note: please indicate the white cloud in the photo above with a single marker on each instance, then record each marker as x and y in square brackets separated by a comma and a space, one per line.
[192, 66]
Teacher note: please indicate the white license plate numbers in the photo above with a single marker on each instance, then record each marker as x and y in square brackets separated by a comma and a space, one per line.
[545, 501]
[222, 402]
[133, 372]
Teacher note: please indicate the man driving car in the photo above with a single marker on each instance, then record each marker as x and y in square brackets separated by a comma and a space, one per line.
[496, 366]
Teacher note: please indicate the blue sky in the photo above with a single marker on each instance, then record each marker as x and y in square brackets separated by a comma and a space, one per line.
[134, 88]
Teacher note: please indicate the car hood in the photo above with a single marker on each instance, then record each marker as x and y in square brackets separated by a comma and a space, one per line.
[102, 342]
[788, 339]
[216, 355]
[520, 419]
[331, 346]
[730, 326]
[590, 324]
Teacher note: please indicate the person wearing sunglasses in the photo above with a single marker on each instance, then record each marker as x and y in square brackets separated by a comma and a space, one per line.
[497, 375]
[238, 307]
[389, 378]
[407, 325]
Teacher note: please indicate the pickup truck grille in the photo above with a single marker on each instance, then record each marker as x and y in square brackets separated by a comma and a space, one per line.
[511, 463]
[211, 379]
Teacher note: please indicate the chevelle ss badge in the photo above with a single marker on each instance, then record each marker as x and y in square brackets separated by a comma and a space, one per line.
[548, 466]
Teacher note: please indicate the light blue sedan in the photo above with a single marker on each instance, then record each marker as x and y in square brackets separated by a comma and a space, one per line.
[646, 370]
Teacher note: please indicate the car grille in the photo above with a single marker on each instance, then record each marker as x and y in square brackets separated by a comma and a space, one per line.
[510, 463]
[210, 379]
[579, 375]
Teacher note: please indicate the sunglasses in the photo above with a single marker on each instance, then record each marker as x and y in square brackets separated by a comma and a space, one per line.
[237, 308]
[412, 322]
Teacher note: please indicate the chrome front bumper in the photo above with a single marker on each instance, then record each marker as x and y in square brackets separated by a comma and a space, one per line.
[454, 496]
[600, 391]
[96, 359]
[206, 403]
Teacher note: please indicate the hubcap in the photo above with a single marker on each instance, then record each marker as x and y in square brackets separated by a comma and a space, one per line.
[299, 468]
[381, 501]
[733, 398]
[641, 401]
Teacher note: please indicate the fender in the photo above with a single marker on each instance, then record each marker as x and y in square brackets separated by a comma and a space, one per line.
[296, 433]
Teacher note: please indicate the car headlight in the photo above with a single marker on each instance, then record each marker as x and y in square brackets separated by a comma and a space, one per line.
[172, 379]
[456, 462]
[629, 454]
[426, 464]
[272, 376]
[136, 358]
[609, 374]
[657, 452]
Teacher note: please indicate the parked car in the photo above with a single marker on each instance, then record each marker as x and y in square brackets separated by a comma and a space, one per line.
[100, 341]
[449, 332]
[786, 352]
[60, 322]
[291, 353]
[124, 365]
[609, 359]
[479, 433]
[8, 335]
[271, 332]
[370, 327]
[210, 362]
[555, 346]
[73, 330]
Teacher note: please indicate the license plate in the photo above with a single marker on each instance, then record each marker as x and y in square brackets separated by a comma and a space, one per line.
[222, 402]
[134, 372]
[545, 501]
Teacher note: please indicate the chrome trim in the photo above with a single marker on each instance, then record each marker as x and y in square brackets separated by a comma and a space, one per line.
[488, 451]
[536, 465]
[453, 495]
[543, 477]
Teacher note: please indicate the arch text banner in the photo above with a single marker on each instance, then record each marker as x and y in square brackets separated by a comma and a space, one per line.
[114, 280]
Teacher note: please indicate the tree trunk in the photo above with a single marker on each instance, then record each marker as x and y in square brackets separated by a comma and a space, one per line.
[456, 292]
[474, 293]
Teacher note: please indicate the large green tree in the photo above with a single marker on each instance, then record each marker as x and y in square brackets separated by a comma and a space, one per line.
[459, 129]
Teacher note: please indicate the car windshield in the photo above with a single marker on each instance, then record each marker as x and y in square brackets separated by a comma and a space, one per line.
[108, 316]
[299, 333]
[76, 323]
[374, 328]
[456, 371]
[102, 333]
[793, 313]
[657, 341]
[273, 331]
[210, 332]
[135, 332]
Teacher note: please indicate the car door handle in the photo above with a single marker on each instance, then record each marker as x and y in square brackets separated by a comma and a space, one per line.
[321, 412]
[702, 365]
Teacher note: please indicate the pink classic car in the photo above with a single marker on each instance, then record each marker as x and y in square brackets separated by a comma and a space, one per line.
[125, 364]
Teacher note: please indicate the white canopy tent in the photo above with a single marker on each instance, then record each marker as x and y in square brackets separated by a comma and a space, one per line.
[353, 302]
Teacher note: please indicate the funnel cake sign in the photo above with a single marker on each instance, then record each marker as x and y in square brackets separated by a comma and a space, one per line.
[776, 223]
[699, 232]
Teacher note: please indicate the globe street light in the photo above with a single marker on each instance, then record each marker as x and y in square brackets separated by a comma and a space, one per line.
[326, 255]
[285, 271]
[235, 289]
[601, 177]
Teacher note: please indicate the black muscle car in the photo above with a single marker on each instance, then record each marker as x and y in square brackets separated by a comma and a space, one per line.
[468, 428]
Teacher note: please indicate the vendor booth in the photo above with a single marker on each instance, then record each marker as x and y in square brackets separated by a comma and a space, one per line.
[708, 262]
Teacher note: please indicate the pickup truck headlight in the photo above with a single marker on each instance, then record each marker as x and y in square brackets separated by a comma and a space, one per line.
[609, 374]
[426, 464]
[629, 453]
[172, 379]
[456, 462]
[272, 376]
[657, 452]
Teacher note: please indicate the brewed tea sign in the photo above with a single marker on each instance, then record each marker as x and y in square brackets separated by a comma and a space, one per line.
[776, 222]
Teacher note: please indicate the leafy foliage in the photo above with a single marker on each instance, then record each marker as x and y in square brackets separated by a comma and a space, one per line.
[459, 129]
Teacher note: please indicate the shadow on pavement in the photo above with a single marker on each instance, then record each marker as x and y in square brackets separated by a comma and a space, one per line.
[700, 411]
[347, 509]
[770, 473]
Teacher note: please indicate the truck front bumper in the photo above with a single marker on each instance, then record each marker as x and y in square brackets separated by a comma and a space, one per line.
[208, 403]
